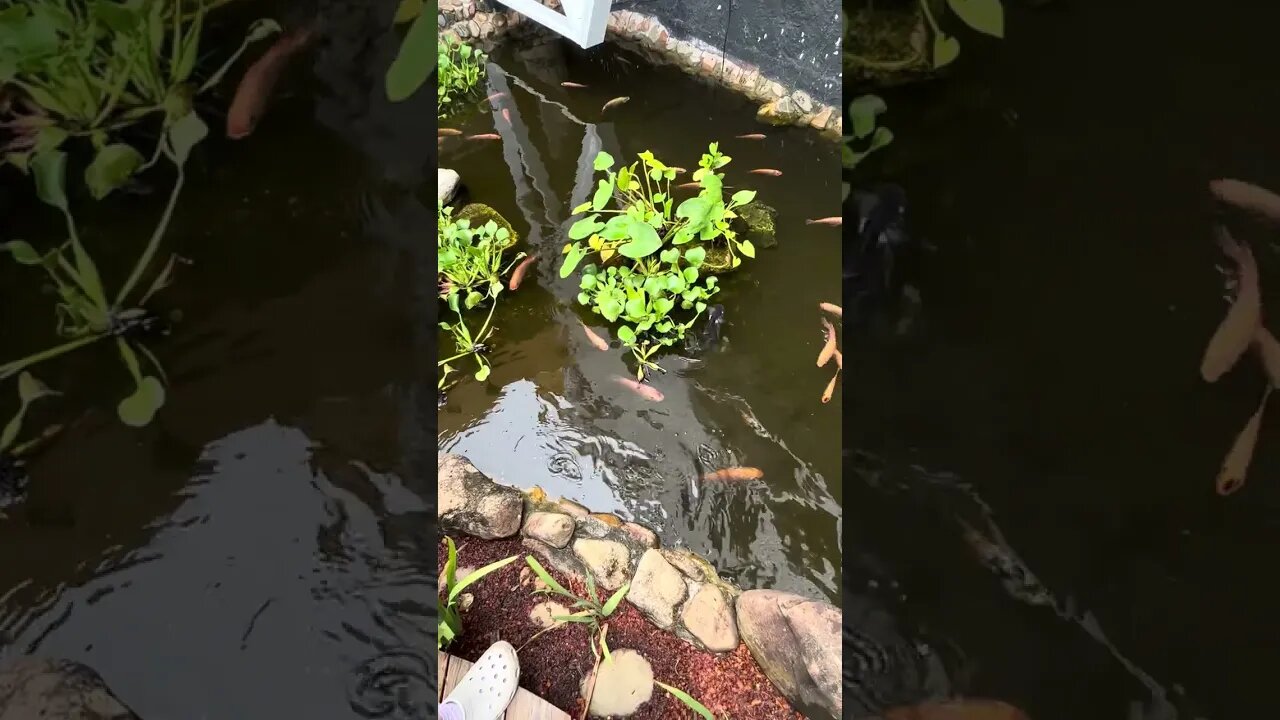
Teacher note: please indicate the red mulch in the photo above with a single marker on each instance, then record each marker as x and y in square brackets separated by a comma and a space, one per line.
[554, 665]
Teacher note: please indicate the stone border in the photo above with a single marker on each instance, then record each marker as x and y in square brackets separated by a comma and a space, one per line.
[780, 105]
[796, 641]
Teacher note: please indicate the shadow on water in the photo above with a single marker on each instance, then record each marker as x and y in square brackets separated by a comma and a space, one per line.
[552, 415]
[265, 547]
[1049, 399]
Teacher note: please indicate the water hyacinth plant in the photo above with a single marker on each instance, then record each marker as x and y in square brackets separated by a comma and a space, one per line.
[868, 135]
[90, 69]
[85, 313]
[460, 69]
[651, 252]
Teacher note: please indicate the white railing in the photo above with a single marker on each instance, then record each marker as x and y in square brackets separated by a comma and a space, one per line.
[583, 21]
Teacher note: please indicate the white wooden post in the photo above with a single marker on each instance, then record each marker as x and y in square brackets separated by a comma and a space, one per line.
[583, 21]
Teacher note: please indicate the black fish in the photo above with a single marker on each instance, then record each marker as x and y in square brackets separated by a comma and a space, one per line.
[13, 480]
[882, 252]
[710, 335]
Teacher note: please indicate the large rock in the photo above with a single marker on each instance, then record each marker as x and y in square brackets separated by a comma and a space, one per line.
[608, 562]
[796, 641]
[554, 529]
[657, 589]
[447, 182]
[33, 688]
[473, 504]
[709, 619]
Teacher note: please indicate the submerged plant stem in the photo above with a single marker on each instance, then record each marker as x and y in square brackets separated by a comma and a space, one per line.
[153, 244]
[8, 369]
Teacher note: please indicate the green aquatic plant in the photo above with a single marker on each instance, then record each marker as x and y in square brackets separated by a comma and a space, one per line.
[460, 68]
[29, 390]
[868, 134]
[665, 248]
[90, 69]
[85, 314]
[984, 16]
[416, 60]
[449, 625]
[469, 260]
[469, 344]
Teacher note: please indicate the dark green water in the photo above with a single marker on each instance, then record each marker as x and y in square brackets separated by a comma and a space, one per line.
[551, 413]
[1051, 386]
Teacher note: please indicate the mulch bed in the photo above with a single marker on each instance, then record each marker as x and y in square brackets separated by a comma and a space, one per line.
[554, 665]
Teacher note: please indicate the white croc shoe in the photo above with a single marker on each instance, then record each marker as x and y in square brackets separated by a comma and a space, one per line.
[490, 685]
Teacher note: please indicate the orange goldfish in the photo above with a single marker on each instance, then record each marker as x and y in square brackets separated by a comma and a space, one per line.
[734, 474]
[833, 221]
[1237, 330]
[831, 388]
[594, 339]
[450, 132]
[648, 392]
[829, 349]
[1236, 465]
[259, 80]
[572, 85]
[767, 171]
[751, 136]
[520, 270]
[833, 309]
[485, 136]
[1247, 196]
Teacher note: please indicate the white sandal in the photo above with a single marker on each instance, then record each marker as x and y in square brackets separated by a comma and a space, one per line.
[490, 685]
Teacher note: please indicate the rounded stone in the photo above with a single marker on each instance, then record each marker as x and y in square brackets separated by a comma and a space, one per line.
[622, 686]
[657, 589]
[607, 561]
[553, 529]
[709, 619]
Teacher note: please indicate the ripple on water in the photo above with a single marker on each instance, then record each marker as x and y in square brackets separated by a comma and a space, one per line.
[396, 685]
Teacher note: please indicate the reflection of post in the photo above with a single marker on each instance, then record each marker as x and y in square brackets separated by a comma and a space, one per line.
[583, 21]
[522, 160]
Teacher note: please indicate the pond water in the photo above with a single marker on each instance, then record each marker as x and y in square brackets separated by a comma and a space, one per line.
[265, 548]
[1049, 392]
[552, 415]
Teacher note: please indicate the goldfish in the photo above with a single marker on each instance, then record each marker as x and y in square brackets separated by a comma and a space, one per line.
[648, 392]
[485, 136]
[615, 102]
[506, 115]
[829, 349]
[767, 171]
[1237, 330]
[834, 221]
[449, 132]
[839, 360]
[751, 136]
[1236, 465]
[495, 96]
[733, 473]
[575, 85]
[831, 388]
[1269, 349]
[694, 184]
[833, 309]
[518, 275]
[594, 339]
[1247, 196]
[255, 87]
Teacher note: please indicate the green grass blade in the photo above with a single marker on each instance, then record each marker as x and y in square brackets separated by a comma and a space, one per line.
[478, 574]
[687, 699]
[450, 566]
[616, 598]
[545, 577]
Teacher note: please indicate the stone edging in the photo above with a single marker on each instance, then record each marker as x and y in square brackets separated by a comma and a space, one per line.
[795, 640]
[463, 19]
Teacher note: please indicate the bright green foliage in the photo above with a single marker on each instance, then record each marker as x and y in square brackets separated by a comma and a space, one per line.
[450, 624]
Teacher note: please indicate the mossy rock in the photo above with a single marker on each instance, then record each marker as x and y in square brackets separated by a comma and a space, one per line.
[891, 46]
[782, 112]
[757, 222]
[717, 261]
[479, 214]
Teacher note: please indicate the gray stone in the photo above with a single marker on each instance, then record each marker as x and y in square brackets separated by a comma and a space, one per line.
[607, 561]
[55, 688]
[447, 182]
[657, 589]
[570, 507]
[802, 101]
[553, 529]
[709, 619]
[471, 503]
[689, 564]
[796, 641]
[641, 534]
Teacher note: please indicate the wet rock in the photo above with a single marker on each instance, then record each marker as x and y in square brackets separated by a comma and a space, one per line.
[593, 527]
[572, 508]
[709, 619]
[796, 641]
[892, 47]
[479, 214]
[688, 563]
[553, 529]
[622, 686]
[641, 534]
[57, 689]
[657, 589]
[802, 101]
[758, 223]
[607, 561]
[782, 111]
[447, 182]
[471, 503]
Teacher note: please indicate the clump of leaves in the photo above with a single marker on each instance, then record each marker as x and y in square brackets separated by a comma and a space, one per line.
[469, 260]
[468, 344]
[29, 390]
[449, 625]
[460, 68]
[85, 314]
[416, 60]
[593, 612]
[867, 133]
[661, 270]
[91, 68]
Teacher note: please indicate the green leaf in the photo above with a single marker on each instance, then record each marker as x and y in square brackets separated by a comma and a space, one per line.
[451, 565]
[695, 256]
[670, 255]
[576, 253]
[407, 10]
[985, 16]
[603, 192]
[581, 208]
[111, 168]
[687, 699]
[636, 307]
[663, 305]
[545, 576]
[184, 134]
[611, 309]
[626, 335]
[51, 176]
[591, 587]
[585, 227]
[603, 161]
[644, 241]
[30, 389]
[479, 574]
[743, 197]
[138, 409]
[863, 111]
[747, 248]
[614, 599]
[50, 138]
[416, 60]
[22, 252]
[604, 644]
[945, 50]
[482, 374]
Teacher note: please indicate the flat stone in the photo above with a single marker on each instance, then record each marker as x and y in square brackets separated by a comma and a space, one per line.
[822, 119]
[709, 619]
[57, 688]
[657, 589]
[553, 529]
[608, 562]
[471, 503]
[641, 534]
[802, 101]
[797, 643]
[622, 686]
[572, 508]
[684, 561]
[447, 182]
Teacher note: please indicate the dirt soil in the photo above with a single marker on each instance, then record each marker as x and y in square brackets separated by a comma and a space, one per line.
[553, 666]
